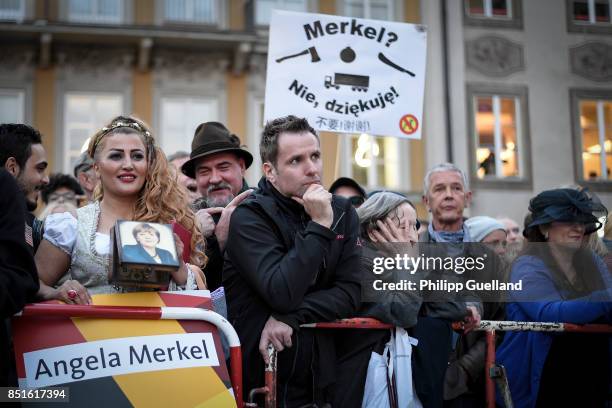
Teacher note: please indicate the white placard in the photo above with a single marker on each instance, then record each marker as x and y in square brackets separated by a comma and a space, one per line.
[105, 358]
[347, 74]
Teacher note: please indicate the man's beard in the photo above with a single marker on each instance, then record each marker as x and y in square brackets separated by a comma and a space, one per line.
[218, 201]
[30, 205]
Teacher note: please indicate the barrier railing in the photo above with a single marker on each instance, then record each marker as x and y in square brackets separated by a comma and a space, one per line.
[494, 371]
[152, 313]
[269, 390]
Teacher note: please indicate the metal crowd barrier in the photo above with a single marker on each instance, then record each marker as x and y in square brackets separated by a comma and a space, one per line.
[152, 313]
[269, 390]
[495, 372]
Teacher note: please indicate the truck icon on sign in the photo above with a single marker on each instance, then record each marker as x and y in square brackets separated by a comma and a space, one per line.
[358, 83]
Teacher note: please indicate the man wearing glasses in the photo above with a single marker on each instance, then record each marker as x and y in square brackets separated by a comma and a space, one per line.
[62, 188]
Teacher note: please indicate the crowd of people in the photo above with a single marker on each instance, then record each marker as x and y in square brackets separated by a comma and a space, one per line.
[290, 252]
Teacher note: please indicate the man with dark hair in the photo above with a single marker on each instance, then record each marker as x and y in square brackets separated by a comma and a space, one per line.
[217, 162]
[292, 257]
[23, 156]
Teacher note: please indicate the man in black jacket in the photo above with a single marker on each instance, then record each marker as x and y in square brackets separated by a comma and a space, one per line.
[18, 277]
[292, 257]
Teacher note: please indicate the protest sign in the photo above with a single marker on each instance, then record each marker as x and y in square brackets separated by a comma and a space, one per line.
[347, 74]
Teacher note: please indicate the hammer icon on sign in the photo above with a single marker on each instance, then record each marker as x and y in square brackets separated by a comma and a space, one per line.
[314, 55]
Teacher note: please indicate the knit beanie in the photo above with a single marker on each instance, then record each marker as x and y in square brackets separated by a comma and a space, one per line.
[481, 226]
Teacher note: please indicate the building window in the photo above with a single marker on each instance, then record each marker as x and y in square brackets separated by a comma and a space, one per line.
[374, 162]
[192, 11]
[96, 11]
[180, 116]
[589, 16]
[596, 131]
[374, 9]
[263, 9]
[591, 11]
[493, 13]
[592, 112]
[490, 8]
[498, 136]
[84, 115]
[12, 10]
[12, 106]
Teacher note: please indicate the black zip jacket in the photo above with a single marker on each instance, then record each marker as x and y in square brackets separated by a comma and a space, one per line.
[18, 277]
[280, 263]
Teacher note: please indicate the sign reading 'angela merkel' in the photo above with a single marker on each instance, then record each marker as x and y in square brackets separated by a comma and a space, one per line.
[347, 74]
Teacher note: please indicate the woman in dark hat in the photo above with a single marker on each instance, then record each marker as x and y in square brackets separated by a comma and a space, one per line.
[561, 282]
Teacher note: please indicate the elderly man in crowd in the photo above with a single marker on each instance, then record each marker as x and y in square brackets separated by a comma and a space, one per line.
[217, 162]
[514, 237]
[86, 176]
[446, 195]
[512, 229]
[23, 156]
[292, 257]
[177, 160]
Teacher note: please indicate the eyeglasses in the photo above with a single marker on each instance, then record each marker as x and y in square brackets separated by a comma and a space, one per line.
[356, 201]
[67, 196]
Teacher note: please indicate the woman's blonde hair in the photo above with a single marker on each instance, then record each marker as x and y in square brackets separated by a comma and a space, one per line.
[162, 199]
[595, 244]
[608, 227]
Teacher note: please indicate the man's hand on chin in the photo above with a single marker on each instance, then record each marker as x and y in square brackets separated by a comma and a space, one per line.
[317, 203]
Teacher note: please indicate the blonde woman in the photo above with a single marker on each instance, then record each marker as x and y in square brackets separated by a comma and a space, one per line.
[135, 184]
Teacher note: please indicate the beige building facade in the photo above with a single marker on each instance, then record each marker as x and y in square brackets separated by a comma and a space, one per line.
[73, 64]
[518, 92]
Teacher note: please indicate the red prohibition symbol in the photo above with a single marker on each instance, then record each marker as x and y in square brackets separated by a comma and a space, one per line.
[408, 124]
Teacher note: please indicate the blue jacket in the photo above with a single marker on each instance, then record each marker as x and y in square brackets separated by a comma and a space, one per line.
[136, 253]
[524, 353]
